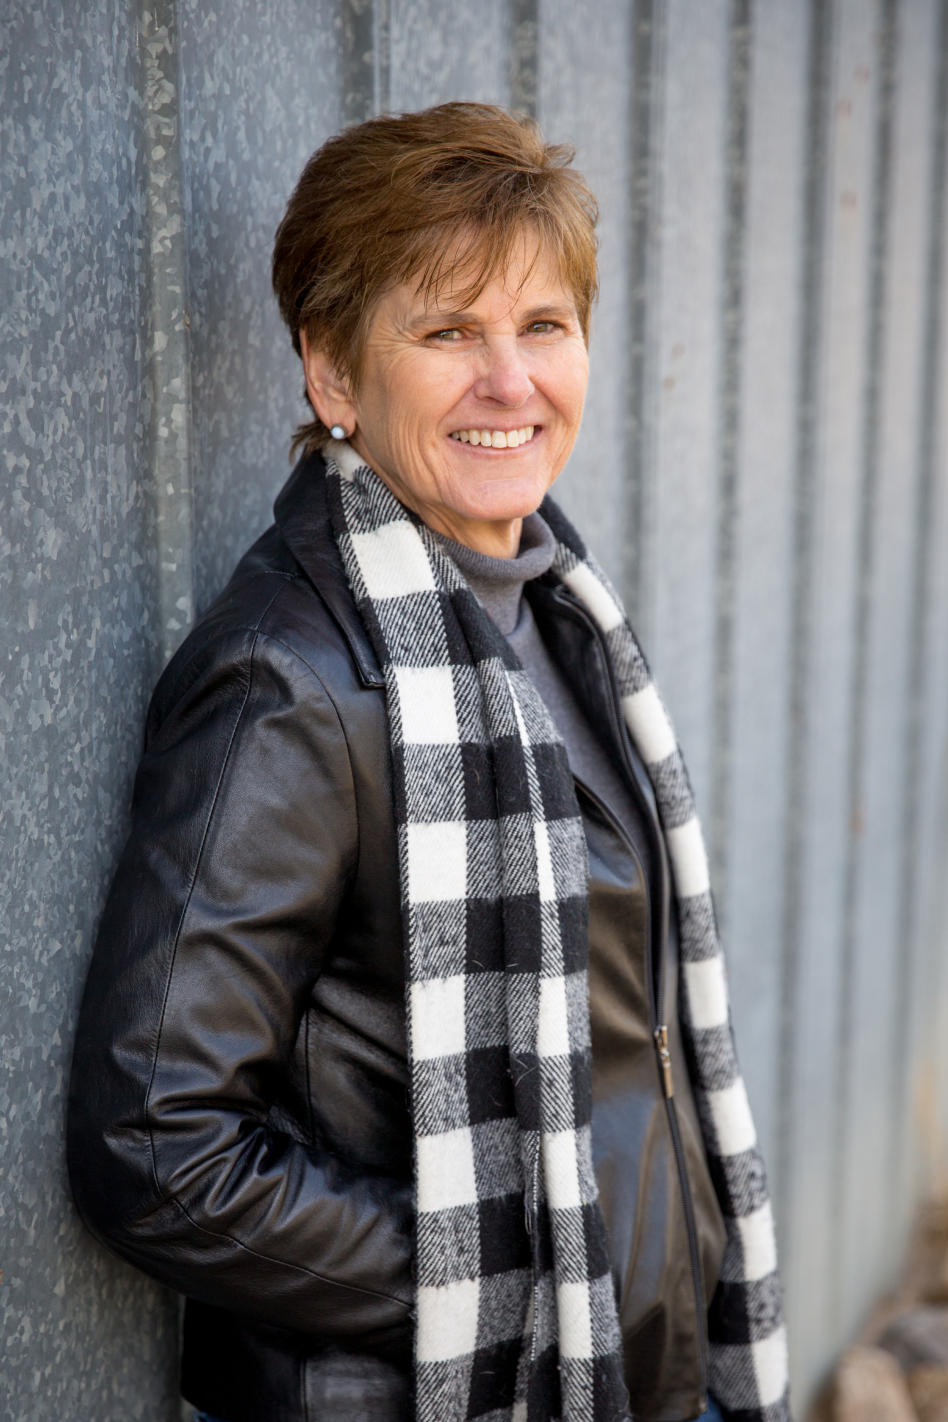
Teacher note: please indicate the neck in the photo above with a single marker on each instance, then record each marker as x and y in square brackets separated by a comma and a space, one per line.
[497, 540]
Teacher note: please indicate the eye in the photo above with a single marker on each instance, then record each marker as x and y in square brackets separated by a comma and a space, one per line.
[542, 328]
[449, 336]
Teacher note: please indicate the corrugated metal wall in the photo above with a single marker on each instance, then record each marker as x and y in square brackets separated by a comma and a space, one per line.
[762, 467]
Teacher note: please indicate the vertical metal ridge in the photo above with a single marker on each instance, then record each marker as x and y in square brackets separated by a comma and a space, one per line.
[644, 200]
[382, 56]
[813, 236]
[932, 358]
[524, 55]
[168, 324]
[167, 328]
[732, 326]
[888, 40]
[366, 59]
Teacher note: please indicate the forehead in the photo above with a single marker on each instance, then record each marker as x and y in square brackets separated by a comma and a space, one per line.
[465, 278]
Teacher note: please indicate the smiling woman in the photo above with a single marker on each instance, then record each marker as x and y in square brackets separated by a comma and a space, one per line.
[470, 320]
[444, 394]
[405, 1052]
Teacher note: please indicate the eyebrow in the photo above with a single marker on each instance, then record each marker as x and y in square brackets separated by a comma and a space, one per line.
[446, 320]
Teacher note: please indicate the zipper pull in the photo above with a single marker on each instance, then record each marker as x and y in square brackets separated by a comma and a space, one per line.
[664, 1060]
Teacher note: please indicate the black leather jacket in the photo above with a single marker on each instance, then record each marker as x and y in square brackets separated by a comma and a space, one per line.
[238, 1116]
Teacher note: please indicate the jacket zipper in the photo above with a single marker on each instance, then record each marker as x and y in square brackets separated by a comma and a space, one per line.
[656, 966]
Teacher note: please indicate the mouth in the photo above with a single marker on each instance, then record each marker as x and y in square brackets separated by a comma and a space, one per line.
[497, 439]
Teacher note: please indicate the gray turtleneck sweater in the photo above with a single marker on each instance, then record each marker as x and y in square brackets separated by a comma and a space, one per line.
[498, 584]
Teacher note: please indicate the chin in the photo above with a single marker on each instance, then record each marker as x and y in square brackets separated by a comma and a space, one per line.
[502, 502]
[503, 511]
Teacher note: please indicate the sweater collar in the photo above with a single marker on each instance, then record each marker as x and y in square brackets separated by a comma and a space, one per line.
[497, 583]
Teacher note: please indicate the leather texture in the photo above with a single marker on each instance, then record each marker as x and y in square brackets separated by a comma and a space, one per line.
[238, 1119]
[661, 1310]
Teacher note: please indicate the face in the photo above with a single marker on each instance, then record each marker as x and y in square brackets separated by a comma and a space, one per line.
[467, 414]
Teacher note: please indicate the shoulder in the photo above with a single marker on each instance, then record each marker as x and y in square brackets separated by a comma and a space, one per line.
[270, 620]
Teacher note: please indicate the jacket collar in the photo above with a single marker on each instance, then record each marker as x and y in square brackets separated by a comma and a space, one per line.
[302, 516]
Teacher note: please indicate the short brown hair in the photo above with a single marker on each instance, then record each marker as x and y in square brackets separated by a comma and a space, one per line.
[389, 200]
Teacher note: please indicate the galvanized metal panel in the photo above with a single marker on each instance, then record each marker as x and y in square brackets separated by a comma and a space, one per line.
[82, 1335]
[924, 1144]
[261, 91]
[832, 566]
[442, 51]
[922, 1057]
[679, 601]
[750, 879]
[869, 1104]
[582, 53]
[761, 468]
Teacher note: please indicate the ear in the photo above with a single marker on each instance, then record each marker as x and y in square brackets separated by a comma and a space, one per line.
[328, 392]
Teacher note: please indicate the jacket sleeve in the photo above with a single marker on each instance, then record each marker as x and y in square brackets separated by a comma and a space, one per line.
[244, 837]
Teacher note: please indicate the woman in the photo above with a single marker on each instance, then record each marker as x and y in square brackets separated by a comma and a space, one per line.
[382, 1059]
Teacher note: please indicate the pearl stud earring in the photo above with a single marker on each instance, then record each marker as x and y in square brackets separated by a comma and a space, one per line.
[338, 432]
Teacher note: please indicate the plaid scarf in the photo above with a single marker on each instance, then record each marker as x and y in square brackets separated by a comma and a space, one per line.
[516, 1315]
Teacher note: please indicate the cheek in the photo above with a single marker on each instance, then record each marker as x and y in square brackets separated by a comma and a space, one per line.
[426, 388]
[397, 389]
[567, 387]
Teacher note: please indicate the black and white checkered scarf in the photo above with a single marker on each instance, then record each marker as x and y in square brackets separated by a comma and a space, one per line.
[516, 1315]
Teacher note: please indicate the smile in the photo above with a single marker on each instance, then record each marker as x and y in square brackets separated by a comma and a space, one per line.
[495, 439]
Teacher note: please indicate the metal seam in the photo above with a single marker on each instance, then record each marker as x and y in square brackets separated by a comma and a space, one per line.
[524, 53]
[644, 203]
[365, 59]
[887, 42]
[167, 326]
[820, 68]
[732, 326]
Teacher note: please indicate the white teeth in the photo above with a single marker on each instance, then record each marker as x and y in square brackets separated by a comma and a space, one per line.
[495, 439]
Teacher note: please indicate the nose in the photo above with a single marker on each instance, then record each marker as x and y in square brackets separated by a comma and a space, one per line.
[503, 377]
